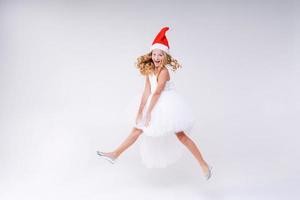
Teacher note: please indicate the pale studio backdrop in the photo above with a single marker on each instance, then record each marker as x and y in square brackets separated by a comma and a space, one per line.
[68, 82]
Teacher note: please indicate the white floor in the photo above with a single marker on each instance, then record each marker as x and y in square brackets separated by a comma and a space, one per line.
[126, 180]
[64, 168]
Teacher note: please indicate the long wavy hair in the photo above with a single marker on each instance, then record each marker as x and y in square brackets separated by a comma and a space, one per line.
[146, 66]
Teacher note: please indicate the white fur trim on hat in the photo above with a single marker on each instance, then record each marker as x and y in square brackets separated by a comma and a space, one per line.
[159, 46]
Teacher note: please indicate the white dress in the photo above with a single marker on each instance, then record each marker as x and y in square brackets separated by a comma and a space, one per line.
[159, 145]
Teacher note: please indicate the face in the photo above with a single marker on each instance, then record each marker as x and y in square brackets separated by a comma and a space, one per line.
[157, 57]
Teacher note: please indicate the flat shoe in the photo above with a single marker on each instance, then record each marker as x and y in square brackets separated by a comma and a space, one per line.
[102, 155]
[208, 174]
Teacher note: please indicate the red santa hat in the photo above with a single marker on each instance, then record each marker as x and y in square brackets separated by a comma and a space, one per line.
[161, 41]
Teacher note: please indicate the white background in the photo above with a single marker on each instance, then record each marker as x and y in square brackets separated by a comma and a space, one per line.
[67, 76]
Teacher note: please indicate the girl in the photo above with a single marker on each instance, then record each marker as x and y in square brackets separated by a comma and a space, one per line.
[162, 114]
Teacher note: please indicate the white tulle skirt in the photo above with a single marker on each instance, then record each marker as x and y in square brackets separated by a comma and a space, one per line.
[159, 145]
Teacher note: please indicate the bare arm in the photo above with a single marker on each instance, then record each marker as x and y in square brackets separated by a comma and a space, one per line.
[162, 79]
[146, 94]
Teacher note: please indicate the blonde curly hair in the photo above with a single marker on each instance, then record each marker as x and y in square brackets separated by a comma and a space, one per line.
[146, 66]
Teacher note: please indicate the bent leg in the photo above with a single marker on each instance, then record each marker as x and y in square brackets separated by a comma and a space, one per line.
[131, 138]
[189, 143]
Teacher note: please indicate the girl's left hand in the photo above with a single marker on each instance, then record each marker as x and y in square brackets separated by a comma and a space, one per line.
[148, 118]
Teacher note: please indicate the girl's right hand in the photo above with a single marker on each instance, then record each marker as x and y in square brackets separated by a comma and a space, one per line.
[138, 117]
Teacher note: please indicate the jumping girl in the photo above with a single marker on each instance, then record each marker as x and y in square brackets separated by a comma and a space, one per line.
[164, 119]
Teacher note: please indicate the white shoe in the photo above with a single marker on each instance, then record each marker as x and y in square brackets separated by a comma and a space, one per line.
[209, 173]
[110, 159]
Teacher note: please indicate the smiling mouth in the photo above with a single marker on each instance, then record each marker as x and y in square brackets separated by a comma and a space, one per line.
[156, 62]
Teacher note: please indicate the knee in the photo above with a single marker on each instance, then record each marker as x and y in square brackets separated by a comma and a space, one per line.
[137, 132]
[182, 137]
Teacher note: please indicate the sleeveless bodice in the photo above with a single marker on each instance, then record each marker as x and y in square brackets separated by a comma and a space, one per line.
[153, 82]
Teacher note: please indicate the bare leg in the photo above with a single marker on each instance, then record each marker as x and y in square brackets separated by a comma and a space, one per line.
[131, 138]
[189, 143]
